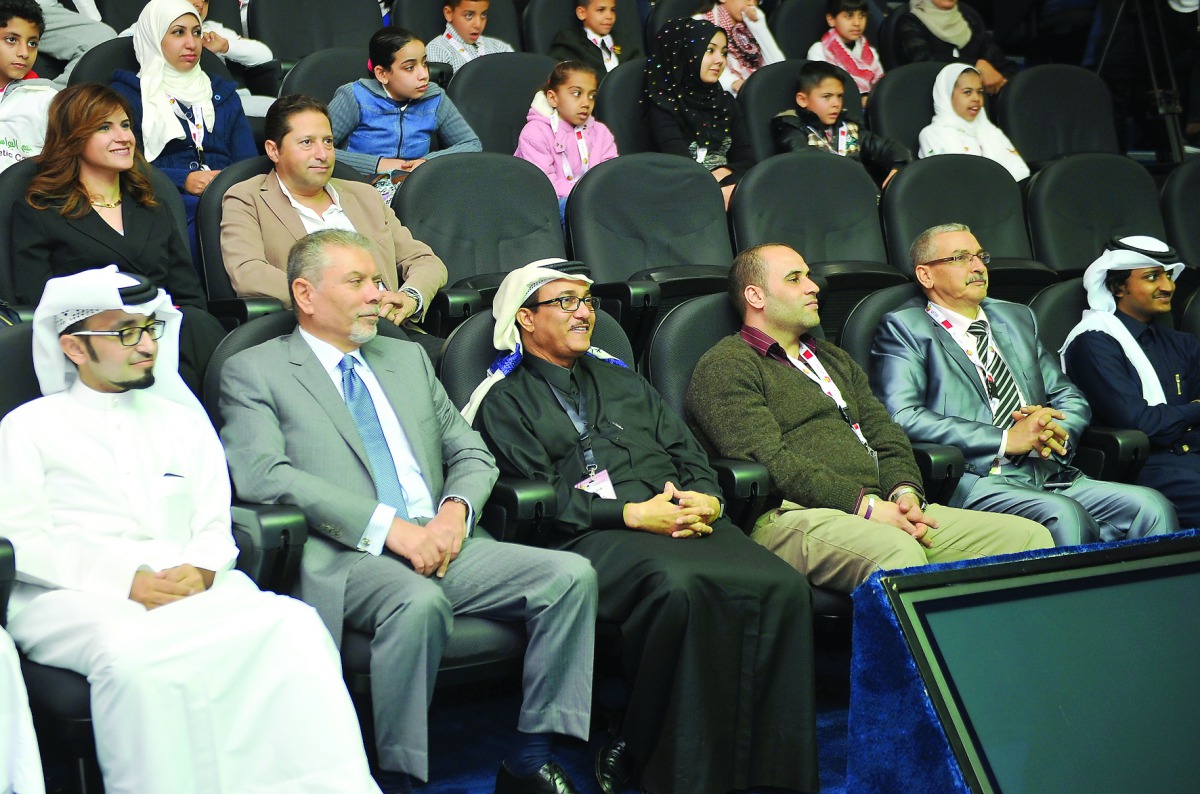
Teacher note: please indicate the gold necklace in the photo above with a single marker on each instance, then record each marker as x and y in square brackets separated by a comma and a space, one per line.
[107, 206]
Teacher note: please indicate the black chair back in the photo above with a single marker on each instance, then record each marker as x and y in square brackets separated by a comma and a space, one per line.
[543, 19]
[299, 27]
[785, 200]
[13, 182]
[1053, 110]
[902, 103]
[864, 318]
[976, 191]
[619, 106]
[322, 73]
[663, 12]
[1057, 309]
[506, 219]
[1075, 205]
[646, 210]
[797, 25]
[494, 93]
[1178, 202]
[120, 14]
[19, 384]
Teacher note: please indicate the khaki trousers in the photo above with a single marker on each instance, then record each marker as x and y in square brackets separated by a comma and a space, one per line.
[838, 550]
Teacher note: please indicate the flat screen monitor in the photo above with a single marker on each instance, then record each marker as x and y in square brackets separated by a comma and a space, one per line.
[1069, 673]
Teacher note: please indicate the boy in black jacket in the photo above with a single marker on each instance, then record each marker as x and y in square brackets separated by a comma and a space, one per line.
[817, 124]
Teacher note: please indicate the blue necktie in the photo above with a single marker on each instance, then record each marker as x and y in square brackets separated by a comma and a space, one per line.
[362, 410]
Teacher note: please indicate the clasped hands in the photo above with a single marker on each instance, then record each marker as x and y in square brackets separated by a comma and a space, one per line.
[674, 512]
[431, 548]
[1036, 431]
[154, 589]
[904, 514]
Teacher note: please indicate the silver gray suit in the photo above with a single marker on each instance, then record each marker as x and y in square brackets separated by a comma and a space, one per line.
[291, 440]
[934, 392]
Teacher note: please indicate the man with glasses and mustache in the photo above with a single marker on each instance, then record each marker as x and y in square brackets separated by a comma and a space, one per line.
[715, 631]
[963, 369]
[116, 497]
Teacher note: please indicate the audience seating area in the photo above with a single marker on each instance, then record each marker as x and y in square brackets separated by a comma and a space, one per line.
[651, 230]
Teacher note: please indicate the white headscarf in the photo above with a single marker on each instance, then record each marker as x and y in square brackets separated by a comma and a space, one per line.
[161, 81]
[1102, 314]
[516, 288]
[993, 143]
[948, 24]
[68, 299]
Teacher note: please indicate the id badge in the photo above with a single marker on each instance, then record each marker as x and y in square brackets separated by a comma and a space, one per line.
[599, 484]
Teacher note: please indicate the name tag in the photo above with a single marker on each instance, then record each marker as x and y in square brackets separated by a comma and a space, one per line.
[599, 484]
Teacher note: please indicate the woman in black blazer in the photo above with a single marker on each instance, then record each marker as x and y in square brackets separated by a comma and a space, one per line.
[91, 205]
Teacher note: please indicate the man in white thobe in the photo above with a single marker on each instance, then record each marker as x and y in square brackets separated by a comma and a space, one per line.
[20, 765]
[116, 498]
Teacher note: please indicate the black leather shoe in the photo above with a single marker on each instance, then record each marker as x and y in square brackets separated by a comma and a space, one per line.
[613, 767]
[550, 779]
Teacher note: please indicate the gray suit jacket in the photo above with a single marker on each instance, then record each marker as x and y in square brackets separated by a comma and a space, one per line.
[934, 392]
[290, 440]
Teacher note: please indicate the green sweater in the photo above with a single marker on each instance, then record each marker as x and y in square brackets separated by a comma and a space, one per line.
[744, 405]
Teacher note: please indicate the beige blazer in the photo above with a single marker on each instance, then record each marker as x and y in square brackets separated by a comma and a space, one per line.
[259, 226]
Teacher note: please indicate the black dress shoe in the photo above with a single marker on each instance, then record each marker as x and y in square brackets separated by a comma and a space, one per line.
[613, 768]
[550, 779]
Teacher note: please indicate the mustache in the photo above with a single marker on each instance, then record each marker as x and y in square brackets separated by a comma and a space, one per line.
[976, 279]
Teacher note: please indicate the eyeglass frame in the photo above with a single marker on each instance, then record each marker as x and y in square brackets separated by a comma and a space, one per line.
[983, 256]
[591, 300]
[149, 328]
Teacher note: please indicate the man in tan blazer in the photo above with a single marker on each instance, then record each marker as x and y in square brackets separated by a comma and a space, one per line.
[263, 217]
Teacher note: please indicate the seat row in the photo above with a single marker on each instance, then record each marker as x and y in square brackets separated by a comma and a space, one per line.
[651, 227]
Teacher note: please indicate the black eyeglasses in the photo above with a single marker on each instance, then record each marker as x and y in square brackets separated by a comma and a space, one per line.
[962, 258]
[570, 303]
[132, 335]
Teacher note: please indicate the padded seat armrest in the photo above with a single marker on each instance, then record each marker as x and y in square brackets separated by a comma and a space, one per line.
[244, 309]
[941, 468]
[1109, 453]
[270, 540]
[8, 572]
[627, 301]
[745, 485]
[519, 510]
[449, 307]
[689, 280]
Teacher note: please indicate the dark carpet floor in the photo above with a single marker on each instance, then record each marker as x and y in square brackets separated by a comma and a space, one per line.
[465, 758]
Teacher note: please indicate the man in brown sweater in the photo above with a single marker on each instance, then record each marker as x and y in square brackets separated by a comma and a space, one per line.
[850, 490]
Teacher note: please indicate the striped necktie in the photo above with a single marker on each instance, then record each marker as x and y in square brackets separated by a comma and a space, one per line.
[1001, 386]
[362, 410]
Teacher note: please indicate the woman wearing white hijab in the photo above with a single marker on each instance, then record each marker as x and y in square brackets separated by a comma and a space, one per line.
[943, 31]
[960, 124]
[188, 123]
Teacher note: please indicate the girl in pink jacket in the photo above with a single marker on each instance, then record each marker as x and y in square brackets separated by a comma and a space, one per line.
[560, 135]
